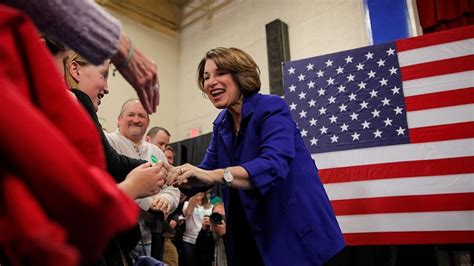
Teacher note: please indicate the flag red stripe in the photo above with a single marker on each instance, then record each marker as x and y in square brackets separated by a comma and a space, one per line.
[448, 166]
[418, 203]
[396, 238]
[436, 68]
[440, 99]
[442, 132]
[435, 38]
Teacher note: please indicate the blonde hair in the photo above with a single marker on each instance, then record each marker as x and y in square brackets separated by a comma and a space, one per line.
[73, 58]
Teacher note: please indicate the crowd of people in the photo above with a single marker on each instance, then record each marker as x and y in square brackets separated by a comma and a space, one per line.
[256, 157]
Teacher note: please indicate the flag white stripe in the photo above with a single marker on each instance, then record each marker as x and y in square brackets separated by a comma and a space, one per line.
[426, 185]
[407, 222]
[439, 83]
[436, 52]
[441, 116]
[396, 153]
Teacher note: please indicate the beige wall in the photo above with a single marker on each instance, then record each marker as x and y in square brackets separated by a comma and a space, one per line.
[315, 27]
[161, 48]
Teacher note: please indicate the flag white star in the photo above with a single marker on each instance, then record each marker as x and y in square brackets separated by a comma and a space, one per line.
[304, 133]
[348, 59]
[320, 73]
[365, 124]
[396, 90]
[373, 93]
[344, 127]
[332, 99]
[312, 102]
[321, 91]
[371, 74]
[313, 121]
[342, 108]
[322, 110]
[334, 138]
[381, 62]
[293, 106]
[355, 136]
[360, 66]
[291, 70]
[333, 119]
[364, 104]
[375, 113]
[324, 130]
[400, 131]
[393, 70]
[361, 85]
[354, 116]
[311, 84]
[314, 141]
[352, 97]
[383, 82]
[390, 51]
[398, 110]
[377, 134]
[369, 55]
[309, 67]
[350, 77]
[329, 63]
[386, 101]
[341, 88]
[301, 77]
[302, 113]
[330, 81]
[302, 95]
[339, 70]
[388, 122]
[292, 88]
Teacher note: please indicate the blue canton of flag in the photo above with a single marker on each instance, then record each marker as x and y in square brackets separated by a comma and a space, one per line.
[348, 100]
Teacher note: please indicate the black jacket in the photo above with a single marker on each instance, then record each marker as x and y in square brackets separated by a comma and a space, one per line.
[117, 165]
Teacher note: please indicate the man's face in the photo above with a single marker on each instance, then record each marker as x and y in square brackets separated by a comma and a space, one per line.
[133, 121]
[161, 139]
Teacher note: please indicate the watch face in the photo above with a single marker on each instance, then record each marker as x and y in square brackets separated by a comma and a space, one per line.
[228, 177]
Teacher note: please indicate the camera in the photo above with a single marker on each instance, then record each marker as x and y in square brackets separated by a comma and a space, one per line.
[216, 218]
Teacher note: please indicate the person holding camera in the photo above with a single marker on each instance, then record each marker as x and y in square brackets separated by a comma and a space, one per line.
[210, 241]
[194, 210]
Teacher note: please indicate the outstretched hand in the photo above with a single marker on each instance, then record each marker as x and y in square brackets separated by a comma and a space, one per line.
[145, 180]
[186, 173]
[140, 72]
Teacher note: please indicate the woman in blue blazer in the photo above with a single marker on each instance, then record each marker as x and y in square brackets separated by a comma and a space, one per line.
[277, 210]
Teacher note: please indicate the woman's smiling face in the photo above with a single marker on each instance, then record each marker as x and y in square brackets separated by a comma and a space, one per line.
[220, 86]
[93, 82]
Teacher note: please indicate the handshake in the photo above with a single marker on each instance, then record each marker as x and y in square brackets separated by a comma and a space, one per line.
[145, 180]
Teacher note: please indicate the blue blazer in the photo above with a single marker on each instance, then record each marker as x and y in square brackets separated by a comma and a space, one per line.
[289, 212]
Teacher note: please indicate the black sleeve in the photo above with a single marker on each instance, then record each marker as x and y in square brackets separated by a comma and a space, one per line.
[117, 165]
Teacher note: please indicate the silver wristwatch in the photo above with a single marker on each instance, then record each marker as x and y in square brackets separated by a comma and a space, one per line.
[228, 177]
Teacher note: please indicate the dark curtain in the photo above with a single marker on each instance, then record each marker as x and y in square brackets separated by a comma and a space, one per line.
[439, 15]
[191, 150]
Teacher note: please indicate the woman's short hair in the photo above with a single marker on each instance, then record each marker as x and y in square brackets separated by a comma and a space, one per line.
[240, 65]
[73, 58]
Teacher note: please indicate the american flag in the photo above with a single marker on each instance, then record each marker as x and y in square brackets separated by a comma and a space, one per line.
[391, 129]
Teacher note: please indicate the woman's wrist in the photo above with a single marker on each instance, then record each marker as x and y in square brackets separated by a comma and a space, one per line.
[124, 54]
[217, 177]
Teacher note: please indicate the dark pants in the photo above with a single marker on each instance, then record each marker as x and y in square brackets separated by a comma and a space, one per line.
[188, 254]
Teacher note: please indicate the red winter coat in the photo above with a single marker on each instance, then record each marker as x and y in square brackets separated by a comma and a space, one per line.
[58, 205]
